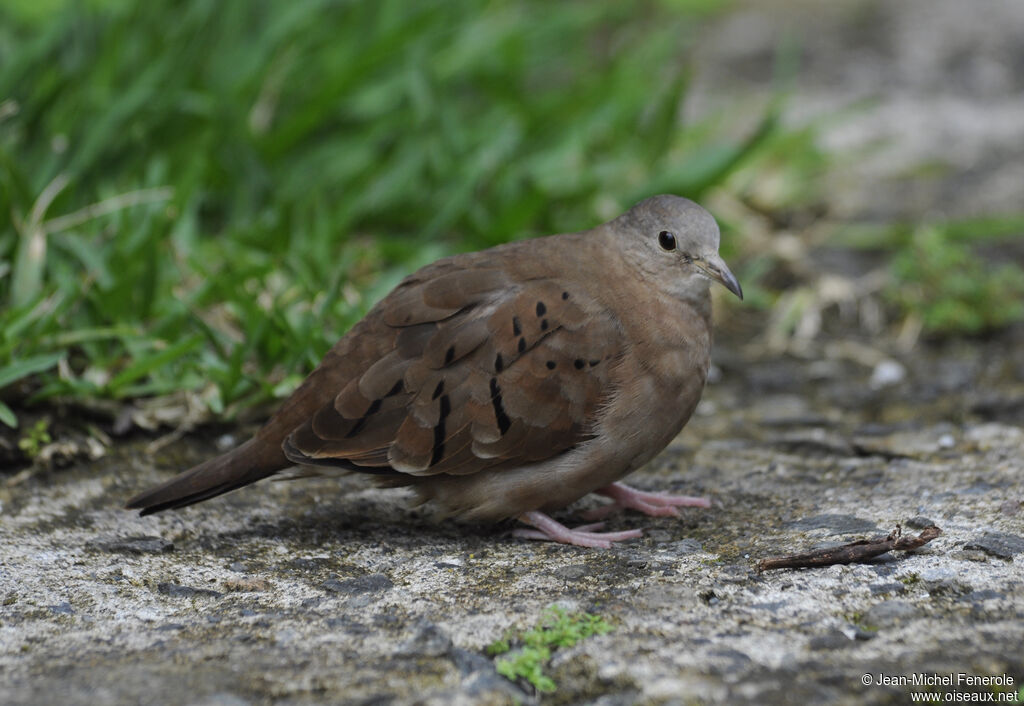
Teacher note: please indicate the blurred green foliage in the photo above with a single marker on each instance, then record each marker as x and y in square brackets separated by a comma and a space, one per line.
[941, 274]
[941, 279]
[203, 194]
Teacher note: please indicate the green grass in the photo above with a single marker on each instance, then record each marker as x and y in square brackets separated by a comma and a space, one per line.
[938, 276]
[532, 648]
[204, 195]
[951, 289]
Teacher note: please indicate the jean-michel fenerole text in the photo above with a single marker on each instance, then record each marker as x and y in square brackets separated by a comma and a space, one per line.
[958, 679]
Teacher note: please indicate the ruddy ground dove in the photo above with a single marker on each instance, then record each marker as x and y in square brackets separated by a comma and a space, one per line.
[509, 382]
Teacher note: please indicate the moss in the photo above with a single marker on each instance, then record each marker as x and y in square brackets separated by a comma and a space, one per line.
[556, 628]
[910, 579]
[857, 620]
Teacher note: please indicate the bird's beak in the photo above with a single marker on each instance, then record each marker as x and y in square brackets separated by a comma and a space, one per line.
[715, 268]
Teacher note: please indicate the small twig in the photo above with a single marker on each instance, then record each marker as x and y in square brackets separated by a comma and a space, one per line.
[855, 551]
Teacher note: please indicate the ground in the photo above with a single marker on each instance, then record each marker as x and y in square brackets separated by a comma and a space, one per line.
[330, 590]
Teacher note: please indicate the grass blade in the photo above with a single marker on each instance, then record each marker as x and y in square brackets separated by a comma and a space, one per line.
[29, 366]
[141, 368]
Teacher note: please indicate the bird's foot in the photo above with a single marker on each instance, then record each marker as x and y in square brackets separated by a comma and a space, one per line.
[651, 504]
[583, 536]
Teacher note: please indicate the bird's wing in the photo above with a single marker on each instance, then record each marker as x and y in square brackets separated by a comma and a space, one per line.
[485, 370]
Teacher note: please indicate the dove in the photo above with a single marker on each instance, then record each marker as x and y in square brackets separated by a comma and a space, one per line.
[510, 382]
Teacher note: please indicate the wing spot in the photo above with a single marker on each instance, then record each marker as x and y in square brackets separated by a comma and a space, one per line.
[551, 364]
[499, 364]
[446, 408]
[578, 364]
[522, 345]
[438, 390]
[396, 388]
[541, 309]
[499, 410]
[449, 355]
[516, 328]
[370, 411]
[543, 324]
[565, 295]
[592, 363]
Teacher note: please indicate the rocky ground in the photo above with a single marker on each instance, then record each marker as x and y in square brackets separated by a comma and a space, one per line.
[327, 590]
[333, 591]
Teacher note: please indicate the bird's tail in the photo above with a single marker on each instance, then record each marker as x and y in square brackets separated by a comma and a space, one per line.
[250, 462]
[260, 456]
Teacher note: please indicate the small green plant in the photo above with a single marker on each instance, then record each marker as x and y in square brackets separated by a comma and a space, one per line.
[36, 438]
[556, 628]
[857, 620]
[909, 579]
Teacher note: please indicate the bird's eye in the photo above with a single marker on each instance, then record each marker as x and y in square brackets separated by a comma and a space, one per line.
[666, 240]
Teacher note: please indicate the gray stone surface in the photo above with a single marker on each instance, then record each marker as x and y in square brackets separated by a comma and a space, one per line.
[329, 590]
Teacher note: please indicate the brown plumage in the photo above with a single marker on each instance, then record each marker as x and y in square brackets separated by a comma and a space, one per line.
[508, 381]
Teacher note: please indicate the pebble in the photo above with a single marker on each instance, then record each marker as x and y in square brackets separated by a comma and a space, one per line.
[879, 589]
[938, 573]
[887, 373]
[1011, 507]
[428, 641]
[837, 524]
[572, 572]
[175, 590]
[143, 544]
[889, 613]
[832, 640]
[998, 544]
[371, 583]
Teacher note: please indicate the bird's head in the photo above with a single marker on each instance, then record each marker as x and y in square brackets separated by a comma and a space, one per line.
[675, 240]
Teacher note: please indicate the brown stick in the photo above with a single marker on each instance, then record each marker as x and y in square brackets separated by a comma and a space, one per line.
[855, 551]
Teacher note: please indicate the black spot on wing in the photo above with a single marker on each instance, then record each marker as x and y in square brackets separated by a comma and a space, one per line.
[358, 427]
[499, 409]
[439, 430]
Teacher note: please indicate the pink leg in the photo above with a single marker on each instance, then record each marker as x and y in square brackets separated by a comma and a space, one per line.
[652, 504]
[552, 531]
